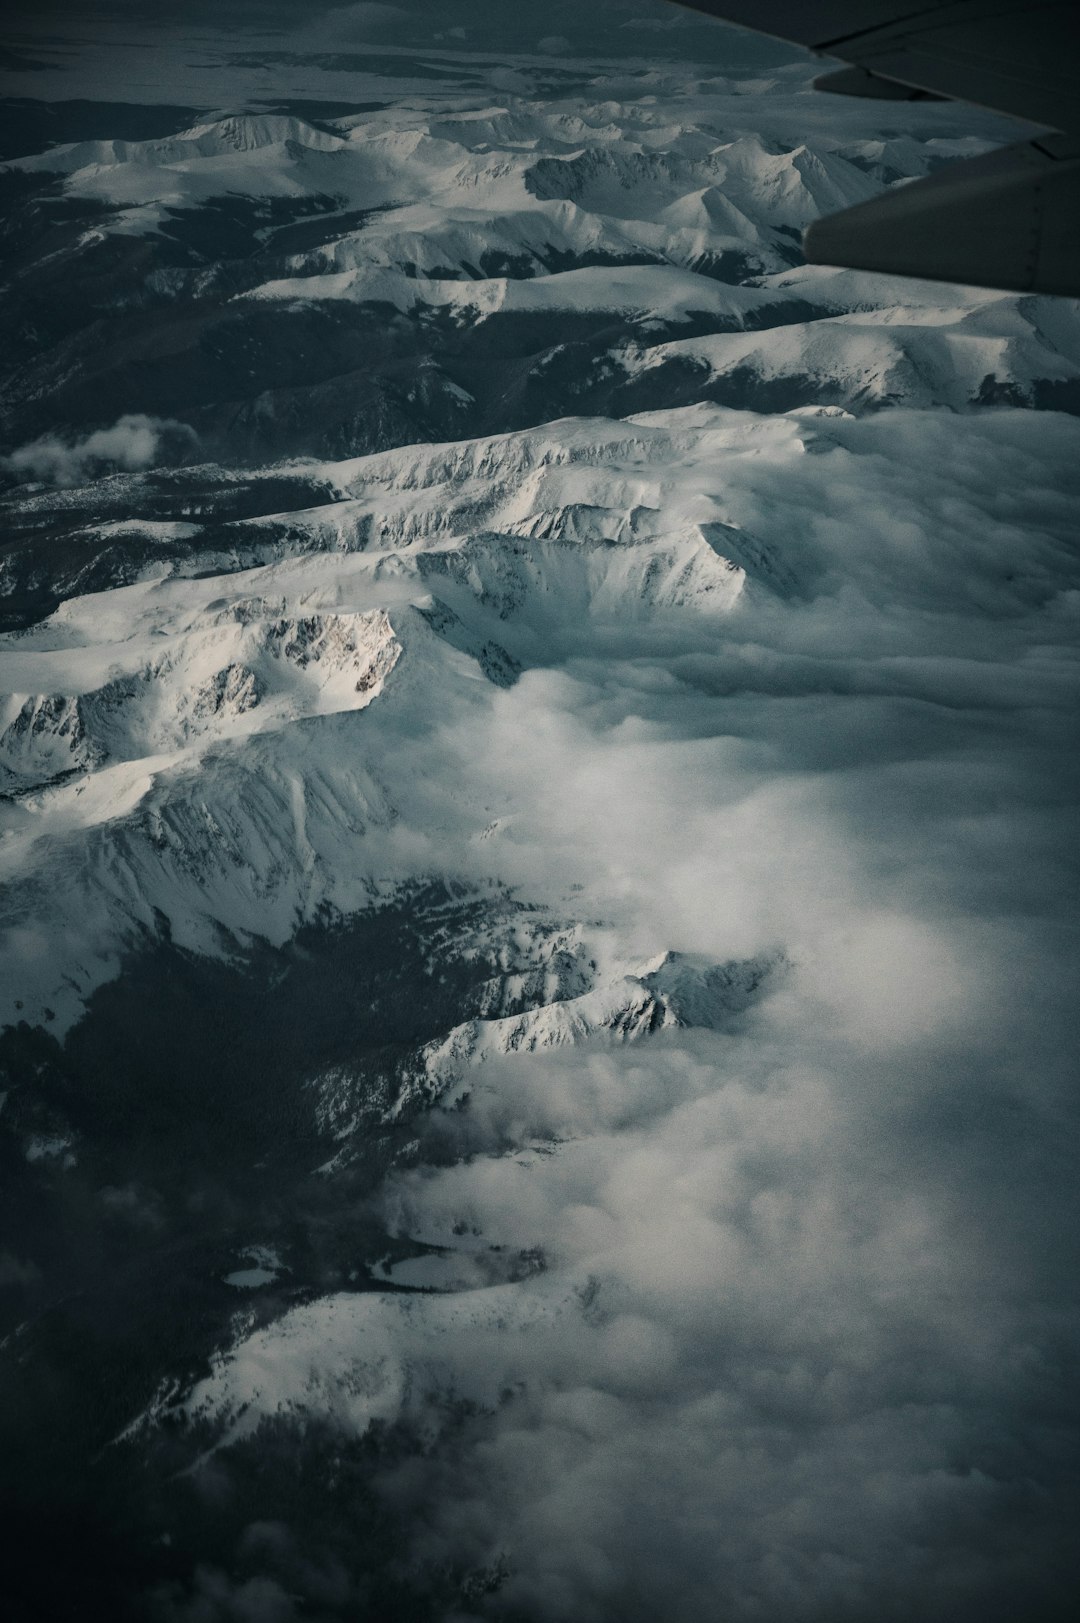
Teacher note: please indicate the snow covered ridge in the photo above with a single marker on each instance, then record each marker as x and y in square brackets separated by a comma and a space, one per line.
[245, 737]
[201, 689]
[474, 259]
[191, 744]
[615, 176]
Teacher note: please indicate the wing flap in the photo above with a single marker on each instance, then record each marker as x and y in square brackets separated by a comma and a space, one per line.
[1010, 219]
[861, 82]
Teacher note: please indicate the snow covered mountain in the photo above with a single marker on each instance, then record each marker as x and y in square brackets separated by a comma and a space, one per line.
[445, 569]
[449, 265]
[535, 781]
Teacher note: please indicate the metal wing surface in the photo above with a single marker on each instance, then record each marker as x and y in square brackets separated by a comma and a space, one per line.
[1009, 219]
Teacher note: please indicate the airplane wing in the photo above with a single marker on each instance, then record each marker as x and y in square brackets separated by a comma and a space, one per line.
[1009, 219]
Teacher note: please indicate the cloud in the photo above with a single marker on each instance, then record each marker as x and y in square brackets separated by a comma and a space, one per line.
[776, 1321]
[798, 1380]
[819, 1281]
[843, 772]
[366, 20]
[216, 1598]
[14, 1271]
[133, 443]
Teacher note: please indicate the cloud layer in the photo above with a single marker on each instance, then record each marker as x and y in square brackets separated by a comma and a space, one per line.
[771, 1323]
[804, 1381]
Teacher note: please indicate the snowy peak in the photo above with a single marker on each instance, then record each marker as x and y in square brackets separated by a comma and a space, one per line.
[695, 992]
[239, 133]
[158, 734]
[225, 673]
[763, 188]
[437, 271]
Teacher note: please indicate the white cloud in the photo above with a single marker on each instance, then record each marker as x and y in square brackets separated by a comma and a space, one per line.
[812, 1338]
[822, 1305]
[797, 1351]
[129, 446]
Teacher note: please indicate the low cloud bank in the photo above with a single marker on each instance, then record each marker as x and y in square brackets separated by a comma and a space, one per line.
[818, 1357]
[815, 1365]
[133, 443]
[822, 1364]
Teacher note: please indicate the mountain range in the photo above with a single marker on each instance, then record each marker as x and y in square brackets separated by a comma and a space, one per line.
[534, 793]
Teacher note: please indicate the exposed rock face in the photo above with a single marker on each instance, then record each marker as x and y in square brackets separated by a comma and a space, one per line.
[44, 739]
